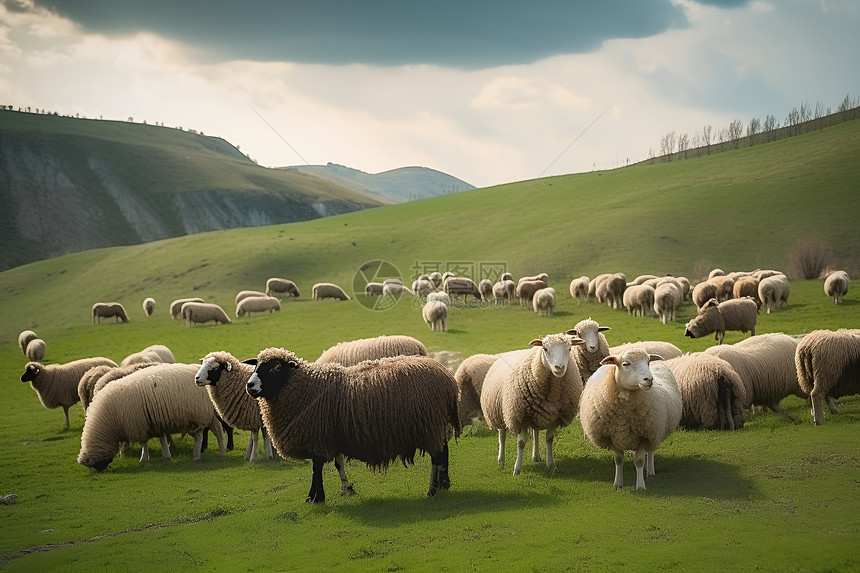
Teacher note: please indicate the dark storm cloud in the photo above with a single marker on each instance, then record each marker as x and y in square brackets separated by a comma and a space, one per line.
[456, 33]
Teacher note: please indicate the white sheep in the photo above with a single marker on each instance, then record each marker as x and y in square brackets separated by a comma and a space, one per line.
[735, 314]
[36, 350]
[485, 287]
[153, 353]
[773, 292]
[724, 286]
[826, 363]
[642, 279]
[535, 389]
[712, 393]
[323, 291]
[592, 285]
[836, 285]
[393, 289]
[202, 312]
[435, 314]
[148, 306]
[539, 277]
[24, 339]
[543, 301]
[351, 352]
[703, 292]
[593, 349]
[422, 287]
[439, 296]
[257, 304]
[630, 405]
[746, 286]
[470, 376]
[611, 290]
[504, 291]
[664, 349]
[277, 285]
[109, 310]
[579, 289]
[243, 294]
[668, 296]
[373, 289]
[525, 291]
[176, 305]
[638, 299]
[716, 273]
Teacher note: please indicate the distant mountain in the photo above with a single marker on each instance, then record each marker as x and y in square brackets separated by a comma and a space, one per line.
[69, 185]
[395, 186]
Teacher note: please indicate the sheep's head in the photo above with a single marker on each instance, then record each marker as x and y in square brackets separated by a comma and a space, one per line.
[30, 371]
[631, 369]
[707, 321]
[213, 365]
[555, 351]
[273, 370]
[89, 460]
[589, 331]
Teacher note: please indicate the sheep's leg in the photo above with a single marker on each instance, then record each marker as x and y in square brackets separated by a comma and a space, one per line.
[535, 446]
[777, 409]
[618, 455]
[267, 445]
[639, 461]
[251, 451]
[345, 486]
[66, 412]
[521, 446]
[649, 463]
[316, 493]
[217, 429]
[439, 472]
[831, 403]
[550, 458]
[144, 452]
[198, 445]
[165, 448]
[502, 435]
[817, 408]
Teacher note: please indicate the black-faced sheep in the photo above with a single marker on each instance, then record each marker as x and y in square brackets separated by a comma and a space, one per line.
[36, 350]
[543, 301]
[836, 285]
[828, 367]
[202, 312]
[277, 285]
[535, 389]
[435, 314]
[773, 292]
[375, 412]
[579, 289]
[109, 310]
[593, 349]
[526, 290]
[226, 379]
[56, 385]
[152, 402]
[148, 306]
[470, 376]
[24, 339]
[322, 291]
[257, 304]
[630, 404]
[735, 314]
[712, 393]
[153, 353]
[351, 352]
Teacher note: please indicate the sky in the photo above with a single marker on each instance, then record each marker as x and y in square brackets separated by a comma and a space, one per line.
[488, 91]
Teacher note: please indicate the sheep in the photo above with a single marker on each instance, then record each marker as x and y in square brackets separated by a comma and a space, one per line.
[373, 289]
[88, 381]
[641, 279]
[148, 306]
[454, 286]
[24, 339]
[712, 393]
[153, 402]
[594, 348]
[153, 353]
[611, 290]
[766, 366]
[537, 389]
[57, 384]
[703, 292]
[506, 276]
[225, 378]
[323, 291]
[109, 310]
[36, 349]
[201, 312]
[685, 286]
[539, 277]
[761, 275]
[666, 350]
[579, 289]
[716, 273]
[735, 314]
[395, 290]
[277, 285]
[470, 376]
[747, 286]
[375, 412]
[525, 291]
[504, 291]
[435, 314]
[629, 405]
[440, 296]
[836, 285]
[592, 286]
[773, 292]
[667, 298]
[176, 306]
[422, 287]
[436, 278]
[544, 301]
[638, 299]
[827, 367]
[485, 287]
[723, 286]
[257, 304]
[352, 352]
[243, 294]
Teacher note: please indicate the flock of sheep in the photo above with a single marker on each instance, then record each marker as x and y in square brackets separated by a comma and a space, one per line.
[381, 399]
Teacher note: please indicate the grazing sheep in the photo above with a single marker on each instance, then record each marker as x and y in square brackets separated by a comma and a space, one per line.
[641, 279]
[539, 277]
[395, 289]
[148, 306]
[36, 350]
[526, 290]
[470, 376]
[703, 292]
[746, 286]
[665, 350]
[773, 292]
[277, 285]
[724, 286]
[201, 312]
[544, 301]
[836, 285]
[506, 276]
[716, 273]
[454, 286]
[685, 286]
[24, 339]
[435, 314]
[243, 294]
[630, 405]
[154, 353]
[257, 304]
[109, 310]
[611, 290]
[322, 291]
[152, 402]
[535, 389]
[440, 296]
[225, 379]
[352, 352]
[638, 299]
[436, 278]
[375, 411]
[373, 289]
[176, 306]
[422, 287]
[579, 289]
[766, 366]
[735, 314]
[712, 393]
[88, 382]
[593, 349]
[667, 298]
[761, 275]
[592, 286]
[828, 367]
[57, 384]
[504, 291]
[485, 287]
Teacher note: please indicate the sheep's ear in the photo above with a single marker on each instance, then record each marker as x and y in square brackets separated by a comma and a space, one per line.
[576, 341]
[292, 364]
[654, 357]
[228, 366]
[602, 328]
[572, 332]
[250, 362]
[710, 303]
[609, 360]
[536, 342]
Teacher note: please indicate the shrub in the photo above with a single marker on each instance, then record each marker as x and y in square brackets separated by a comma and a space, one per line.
[808, 258]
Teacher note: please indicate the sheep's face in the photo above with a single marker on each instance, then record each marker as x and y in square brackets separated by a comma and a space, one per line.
[30, 373]
[703, 323]
[631, 369]
[269, 377]
[589, 331]
[210, 372]
[555, 352]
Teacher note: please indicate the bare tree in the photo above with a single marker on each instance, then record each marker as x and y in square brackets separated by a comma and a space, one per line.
[805, 112]
[696, 144]
[845, 106]
[769, 127]
[736, 128]
[792, 120]
[752, 129]
[706, 137]
[683, 144]
[667, 146]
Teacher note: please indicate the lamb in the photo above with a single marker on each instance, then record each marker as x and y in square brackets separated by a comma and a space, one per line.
[836, 285]
[504, 291]
[594, 348]
[773, 292]
[352, 352]
[24, 339]
[57, 384]
[535, 389]
[485, 287]
[470, 376]
[703, 292]
[747, 286]
[374, 411]
[440, 296]
[629, 405]
[148, 306]
[36, 350]
[202, 312]
[257, 304]
[322, 291]
[735, 314]
[243, 294]
[176, 306]
[611, 290]
[666, 350]
[109, 310]
[579, 289]
[544, 301]
[828, 367]
[454, 286]
[723, 286]
[277, 285]
[152, 402]
[154, 353]
[766, 366]
[435, 314]
[225, 378]
[525, 291]
[667, 298]
[712, 393]
[638, 299]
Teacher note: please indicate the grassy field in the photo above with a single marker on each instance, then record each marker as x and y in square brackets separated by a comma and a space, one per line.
[775, 496]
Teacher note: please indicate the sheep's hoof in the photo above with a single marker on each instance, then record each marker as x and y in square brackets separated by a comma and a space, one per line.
[347, 490]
